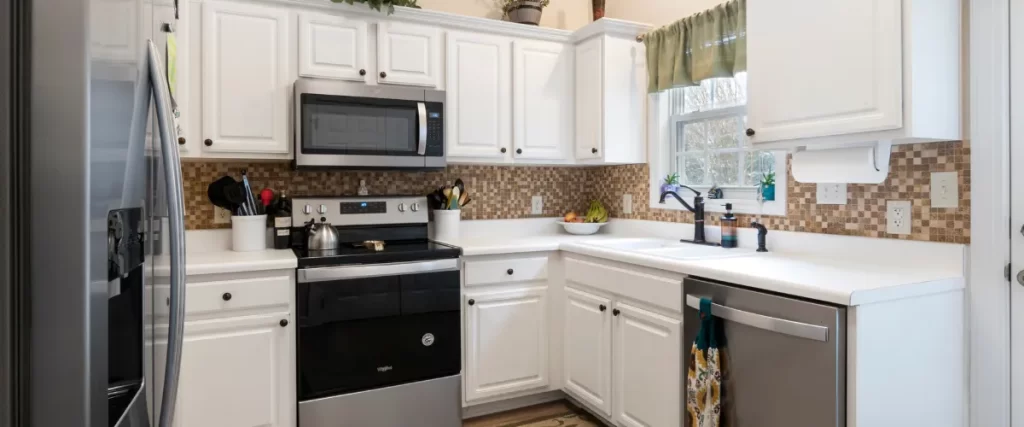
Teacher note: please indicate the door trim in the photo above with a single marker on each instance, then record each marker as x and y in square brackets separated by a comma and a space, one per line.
[988, 290]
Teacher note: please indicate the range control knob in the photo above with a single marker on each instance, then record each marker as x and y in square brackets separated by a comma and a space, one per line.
[323, 209]
[415, 207]
[401, 207]
[307, 210]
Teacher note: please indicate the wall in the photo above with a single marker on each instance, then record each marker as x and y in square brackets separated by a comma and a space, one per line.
[656, 12]
[562, 14]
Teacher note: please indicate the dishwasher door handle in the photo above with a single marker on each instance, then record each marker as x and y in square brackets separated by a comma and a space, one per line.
[768, 323]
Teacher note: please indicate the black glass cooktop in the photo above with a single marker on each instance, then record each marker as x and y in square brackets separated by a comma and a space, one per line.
[394, 251]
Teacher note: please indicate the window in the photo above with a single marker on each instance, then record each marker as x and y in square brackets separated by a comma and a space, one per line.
[705, 143]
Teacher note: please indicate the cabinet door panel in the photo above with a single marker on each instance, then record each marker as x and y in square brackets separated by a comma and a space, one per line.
[479, 95]
[245, 78]
[543, 100]
[648, 360]
[853, 83]
[589, 99]
[332, 47]
[587, 348]
[234, 373]
[408, 54]
[506, 342]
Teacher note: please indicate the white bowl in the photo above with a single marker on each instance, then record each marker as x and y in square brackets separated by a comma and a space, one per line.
[582, 228]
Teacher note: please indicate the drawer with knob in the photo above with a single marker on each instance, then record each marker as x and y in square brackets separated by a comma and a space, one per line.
[214, 297]
[499, 271]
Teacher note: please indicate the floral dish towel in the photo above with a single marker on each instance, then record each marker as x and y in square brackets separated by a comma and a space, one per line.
[704, 378]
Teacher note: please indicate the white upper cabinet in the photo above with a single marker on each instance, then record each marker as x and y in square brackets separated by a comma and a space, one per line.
[853, 71]
[332, 47]
[648, 368]
[611, 94]
[116, 43]
[587, 348]
[246, 80]
[479, 97]
[408, 54]
[543, 102]
[506, 342]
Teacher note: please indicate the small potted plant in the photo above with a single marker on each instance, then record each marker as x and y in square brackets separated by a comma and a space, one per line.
[380, 5]
[768, 186]
[524, 11]
[598, 9]
[671, 183]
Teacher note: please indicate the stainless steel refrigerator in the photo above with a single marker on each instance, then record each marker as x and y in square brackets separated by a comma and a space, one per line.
[90, 201]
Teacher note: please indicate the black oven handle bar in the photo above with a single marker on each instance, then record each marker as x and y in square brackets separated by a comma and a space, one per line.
[326, 274]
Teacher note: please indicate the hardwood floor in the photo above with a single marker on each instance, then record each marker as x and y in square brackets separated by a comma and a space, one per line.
[538, 416]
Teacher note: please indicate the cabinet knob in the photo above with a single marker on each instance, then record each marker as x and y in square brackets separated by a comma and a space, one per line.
[602, 307]
[593, 150]
[519, 151]
[471, 301]
[503, 150]
[362, 72]
[510, 271]
[226, 296]
[283, 322]
[615, 312]
[383, 75]
[208, 142]
[181, 140]
[750, 132]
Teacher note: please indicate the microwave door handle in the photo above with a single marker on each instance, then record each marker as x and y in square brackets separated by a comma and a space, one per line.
[422, 148]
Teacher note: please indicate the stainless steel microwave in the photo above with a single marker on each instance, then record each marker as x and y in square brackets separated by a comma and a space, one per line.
[357, 126]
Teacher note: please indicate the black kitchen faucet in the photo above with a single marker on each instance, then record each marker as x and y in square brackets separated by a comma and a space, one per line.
[697, 209]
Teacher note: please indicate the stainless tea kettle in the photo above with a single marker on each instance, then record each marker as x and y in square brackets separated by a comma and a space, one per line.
[322, 236]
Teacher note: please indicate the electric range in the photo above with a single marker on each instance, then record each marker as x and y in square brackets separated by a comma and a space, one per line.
[378, 340]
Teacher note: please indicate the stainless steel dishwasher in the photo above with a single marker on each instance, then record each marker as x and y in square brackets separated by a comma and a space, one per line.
[783, 358]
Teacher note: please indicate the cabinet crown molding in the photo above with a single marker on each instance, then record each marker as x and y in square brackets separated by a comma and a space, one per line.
[611, 27]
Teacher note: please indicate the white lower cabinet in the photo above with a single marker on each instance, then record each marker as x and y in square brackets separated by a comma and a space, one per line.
[647, 365]
[587, 351]
[506, 342]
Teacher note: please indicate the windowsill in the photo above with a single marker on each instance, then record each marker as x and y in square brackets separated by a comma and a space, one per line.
[741, 206]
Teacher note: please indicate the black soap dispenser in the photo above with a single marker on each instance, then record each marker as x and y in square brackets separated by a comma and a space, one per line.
[728, 228]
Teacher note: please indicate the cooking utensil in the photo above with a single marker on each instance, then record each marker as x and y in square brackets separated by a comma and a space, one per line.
[447, 191]
[266, 196]
[235, 193]
[216, 193]
[453, 203]
[322, 236]
[248, 195]
[460, 185]
[374, 245]
[463, 198]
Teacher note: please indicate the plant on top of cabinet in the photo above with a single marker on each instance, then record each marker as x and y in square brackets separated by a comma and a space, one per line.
[380, 4]
[524, 11]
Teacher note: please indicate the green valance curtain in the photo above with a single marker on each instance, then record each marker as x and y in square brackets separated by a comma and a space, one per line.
[709, 44]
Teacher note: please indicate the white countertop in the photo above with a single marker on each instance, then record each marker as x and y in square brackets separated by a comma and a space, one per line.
[227, 261]
[840, 270]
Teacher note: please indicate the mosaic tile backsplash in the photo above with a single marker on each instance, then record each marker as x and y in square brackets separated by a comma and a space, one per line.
[504, 192]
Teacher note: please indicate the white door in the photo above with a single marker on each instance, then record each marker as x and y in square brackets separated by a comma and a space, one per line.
[587, 348]
[408, 54]
[648, 362]
[543, 103]
[332, 47]
[992, 196]
[589, 99]
[479, 96]
[838, 73]
[236, 372]
[246, 79]
[506, 342]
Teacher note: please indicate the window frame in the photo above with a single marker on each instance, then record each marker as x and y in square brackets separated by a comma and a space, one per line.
[662, 132]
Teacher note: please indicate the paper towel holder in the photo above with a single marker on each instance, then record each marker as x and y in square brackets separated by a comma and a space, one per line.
[881, 152]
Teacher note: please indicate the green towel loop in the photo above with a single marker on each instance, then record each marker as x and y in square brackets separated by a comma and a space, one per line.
[707, 337]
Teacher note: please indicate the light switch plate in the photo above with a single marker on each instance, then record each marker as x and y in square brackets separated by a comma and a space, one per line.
[831, 194]
[221, 215]
[898, 217]
[537, 205]
[945, 190]
[627, 204]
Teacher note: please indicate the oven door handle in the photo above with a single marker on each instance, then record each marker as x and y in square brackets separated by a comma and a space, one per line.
[422, 148]
[325, 274]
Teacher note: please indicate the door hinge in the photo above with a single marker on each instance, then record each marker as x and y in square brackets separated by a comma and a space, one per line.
[1006, 271]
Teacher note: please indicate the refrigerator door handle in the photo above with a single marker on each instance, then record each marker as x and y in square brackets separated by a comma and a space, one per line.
[176, 232]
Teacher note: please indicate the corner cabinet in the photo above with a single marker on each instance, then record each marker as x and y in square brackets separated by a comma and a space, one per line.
[895, 75]
[611, 98]
[588, 348]
[479, 97]
[332, 47]
[246, 57]
[408, 54]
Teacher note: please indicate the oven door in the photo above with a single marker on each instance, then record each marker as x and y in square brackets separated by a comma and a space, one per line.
[342, 124]
[371, 326]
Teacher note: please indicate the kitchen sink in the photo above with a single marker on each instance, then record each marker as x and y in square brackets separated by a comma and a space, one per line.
[673, 249]
[638, 244]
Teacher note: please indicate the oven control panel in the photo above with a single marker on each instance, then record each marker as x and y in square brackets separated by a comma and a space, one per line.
[342, 211]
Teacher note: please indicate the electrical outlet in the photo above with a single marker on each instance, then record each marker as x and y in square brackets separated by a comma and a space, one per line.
[945, 190]
[898, 217]
[831, 194]
[537, 205]
[627, 204]
[221, 215]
